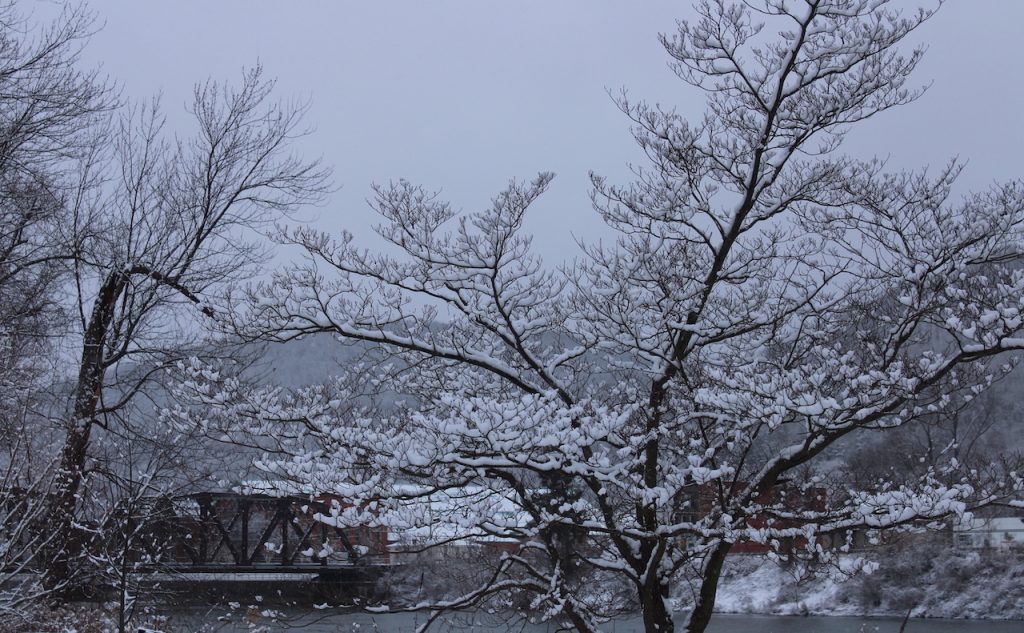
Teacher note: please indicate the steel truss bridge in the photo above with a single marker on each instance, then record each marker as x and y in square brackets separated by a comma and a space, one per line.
[234, 533]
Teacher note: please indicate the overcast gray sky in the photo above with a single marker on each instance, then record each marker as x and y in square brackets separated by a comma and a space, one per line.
[463, 95]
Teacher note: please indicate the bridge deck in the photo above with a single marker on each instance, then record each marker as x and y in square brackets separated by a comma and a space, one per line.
[272, 568]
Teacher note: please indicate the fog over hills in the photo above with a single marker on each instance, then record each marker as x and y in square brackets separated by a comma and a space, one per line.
[317, 358]
[306, 361]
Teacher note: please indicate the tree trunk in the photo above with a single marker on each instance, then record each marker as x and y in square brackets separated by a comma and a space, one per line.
[65, 543]
[65, 546]
[701, 615]
[656, 614]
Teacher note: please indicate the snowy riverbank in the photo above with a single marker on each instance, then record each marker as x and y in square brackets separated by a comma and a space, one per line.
[926, 579]
[921, 574]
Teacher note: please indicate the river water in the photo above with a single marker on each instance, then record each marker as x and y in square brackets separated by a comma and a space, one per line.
[192, 620]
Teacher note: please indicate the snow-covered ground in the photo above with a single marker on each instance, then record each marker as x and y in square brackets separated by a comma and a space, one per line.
[923, 575]
[929, 581]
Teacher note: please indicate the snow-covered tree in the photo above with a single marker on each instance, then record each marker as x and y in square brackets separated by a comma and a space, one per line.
[51, 121]
[176, 219]
[644, 410]
[111, 232]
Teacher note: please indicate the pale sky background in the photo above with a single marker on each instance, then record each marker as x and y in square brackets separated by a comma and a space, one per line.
[463, 95]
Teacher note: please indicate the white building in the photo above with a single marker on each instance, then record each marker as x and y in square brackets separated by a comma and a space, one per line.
[996, 533]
